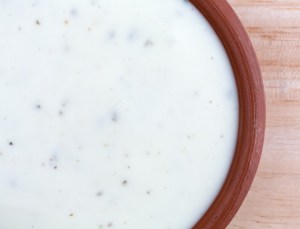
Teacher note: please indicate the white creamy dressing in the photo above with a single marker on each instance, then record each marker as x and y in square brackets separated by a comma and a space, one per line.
[113, 114]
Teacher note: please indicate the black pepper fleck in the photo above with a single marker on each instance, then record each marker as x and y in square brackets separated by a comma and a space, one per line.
[114, 116]
[132, 35]
[37, 22]
[149, 43]
[111, 35]
[74, 12]
[53, 158]
[125, 182]
[99, 194]
[11, 143]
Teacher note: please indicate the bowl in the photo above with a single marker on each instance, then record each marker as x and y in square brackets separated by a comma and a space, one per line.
[251, 112]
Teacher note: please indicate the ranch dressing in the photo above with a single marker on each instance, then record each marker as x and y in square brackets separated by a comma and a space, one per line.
[113, 114]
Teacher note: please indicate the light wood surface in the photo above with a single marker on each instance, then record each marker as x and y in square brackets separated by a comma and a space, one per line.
[274, 199]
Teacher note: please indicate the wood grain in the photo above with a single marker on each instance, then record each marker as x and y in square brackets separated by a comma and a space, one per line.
[274, 199]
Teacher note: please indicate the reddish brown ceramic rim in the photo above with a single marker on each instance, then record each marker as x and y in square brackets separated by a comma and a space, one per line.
[251, 112]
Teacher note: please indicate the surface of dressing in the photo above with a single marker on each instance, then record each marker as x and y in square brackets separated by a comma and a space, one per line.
[113, 114]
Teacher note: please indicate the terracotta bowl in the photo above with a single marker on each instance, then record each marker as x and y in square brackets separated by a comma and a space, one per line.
[251, 112]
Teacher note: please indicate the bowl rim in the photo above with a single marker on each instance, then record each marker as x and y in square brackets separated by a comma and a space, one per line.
[252, 112]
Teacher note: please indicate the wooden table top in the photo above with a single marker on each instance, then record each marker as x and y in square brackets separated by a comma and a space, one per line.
[274, 199]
